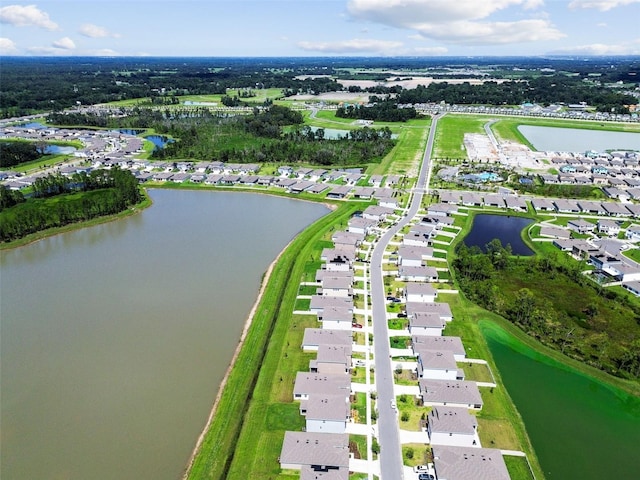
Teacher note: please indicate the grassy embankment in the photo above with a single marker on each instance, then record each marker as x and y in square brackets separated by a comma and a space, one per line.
[256, 406]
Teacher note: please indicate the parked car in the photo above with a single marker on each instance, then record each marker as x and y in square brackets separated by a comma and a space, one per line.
[402, 315]
[426, 476]
[356, 325]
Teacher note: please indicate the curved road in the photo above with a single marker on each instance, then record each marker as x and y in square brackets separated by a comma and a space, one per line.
[391, 465]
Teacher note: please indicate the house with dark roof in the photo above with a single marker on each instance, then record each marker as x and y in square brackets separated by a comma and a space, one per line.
[468, 463]
[423, 323]
[318, 452]
[452, 426]
[450, 393]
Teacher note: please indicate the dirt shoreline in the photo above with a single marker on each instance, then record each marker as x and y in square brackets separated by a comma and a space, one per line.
[245, 330]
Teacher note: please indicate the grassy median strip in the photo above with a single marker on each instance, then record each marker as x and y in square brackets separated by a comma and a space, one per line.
[244, 438]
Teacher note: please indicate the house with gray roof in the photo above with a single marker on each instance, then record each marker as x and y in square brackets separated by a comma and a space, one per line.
[417, 274]
[423, 323]
[448, 196]
[332, 359]
[542, 205]
[580, 225]
[347, 238]
[376, 213]
[515, 203]
[321, 273]
[452, 426]
[471, 199]
[421, 343]
[450, 393]
[554, 232]
[336, 316]
[616, 209]
[441, 308]
[608, 227]
[438, 365]
[413, 256]
[361, 225]
[314, 337]
[326, 413]
[318, 452]
[320, 303]
[468, 463]
[337, 287]
[339, 191]
[308, 384]
[420, 292]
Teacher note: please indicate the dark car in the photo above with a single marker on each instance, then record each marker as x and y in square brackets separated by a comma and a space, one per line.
[402, 315]
[426, 476]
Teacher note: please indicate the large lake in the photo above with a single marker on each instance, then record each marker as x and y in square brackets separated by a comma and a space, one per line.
[116, 337]
[505, 228]
[581, 429]
[577, 140]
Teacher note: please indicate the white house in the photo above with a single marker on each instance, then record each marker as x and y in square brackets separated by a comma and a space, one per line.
[450, 393]
[633, 233]
[438, 365]
[608, 227]
[452, 426]
[326, 413]
[420, 292]
[315, 453]
[423, 323]
[465, 463]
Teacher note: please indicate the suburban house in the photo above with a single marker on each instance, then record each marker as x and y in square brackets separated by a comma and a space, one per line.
[441, 308]
[633, 287]
[438, 365]
[412, 256]
[419, 236]
[423, 323]
[427, 342]
[452, 426]
[450, 393]
[332, 359]
[418, 274]
[608, 227]
[337, 286]
[442, 209]
[554, 232]
[336, 317]
[316, 452]
[314, 337]
[420, 292]
[468, 463]
[580, 226]
[361, 225]
[376, 213]
[633, 233]
[321, 274]
[308, 384]
[542, 205]
[347, 238]
[326, 413]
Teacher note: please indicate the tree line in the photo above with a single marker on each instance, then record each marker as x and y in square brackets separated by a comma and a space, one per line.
[382, 111]
[58, 201]
[555, 303]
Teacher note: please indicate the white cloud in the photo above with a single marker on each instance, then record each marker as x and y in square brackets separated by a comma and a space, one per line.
[602, 5]
[599, 49]
[602, 25]
[460, 21]
[94, 31]
[26, 16]
[104, 52]
[64, 43]
[356, 45]
[430, 50]
[7, 46]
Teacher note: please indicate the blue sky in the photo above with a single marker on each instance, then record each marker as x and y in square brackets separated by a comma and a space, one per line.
[319, 27]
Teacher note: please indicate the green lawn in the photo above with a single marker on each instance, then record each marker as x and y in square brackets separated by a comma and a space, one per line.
[450, 134]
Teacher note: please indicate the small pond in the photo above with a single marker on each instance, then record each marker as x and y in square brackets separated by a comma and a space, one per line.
[159, 140]
[505, 228]
[58, 150]
[577, 140]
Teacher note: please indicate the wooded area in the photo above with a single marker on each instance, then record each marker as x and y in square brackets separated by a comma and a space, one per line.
[58, 201]
[554, 302]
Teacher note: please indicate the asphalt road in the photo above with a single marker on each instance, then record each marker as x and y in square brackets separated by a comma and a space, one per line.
[391, 465]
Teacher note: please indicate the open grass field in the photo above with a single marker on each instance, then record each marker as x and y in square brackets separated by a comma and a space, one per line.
[450, 134]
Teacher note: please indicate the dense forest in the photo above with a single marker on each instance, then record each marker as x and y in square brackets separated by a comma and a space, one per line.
[544, 90]
[555, 303]
[59, 200]
[15, 153]
[45, 84]
[384, 111]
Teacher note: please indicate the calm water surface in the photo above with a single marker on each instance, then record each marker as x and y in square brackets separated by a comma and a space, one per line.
[577, 140]
[115, 338]
[506, 229]
[580, 428]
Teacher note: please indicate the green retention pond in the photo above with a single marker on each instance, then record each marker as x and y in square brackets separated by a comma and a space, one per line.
[580, 428]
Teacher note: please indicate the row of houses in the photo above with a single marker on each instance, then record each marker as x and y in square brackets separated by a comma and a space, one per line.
[450, 199]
